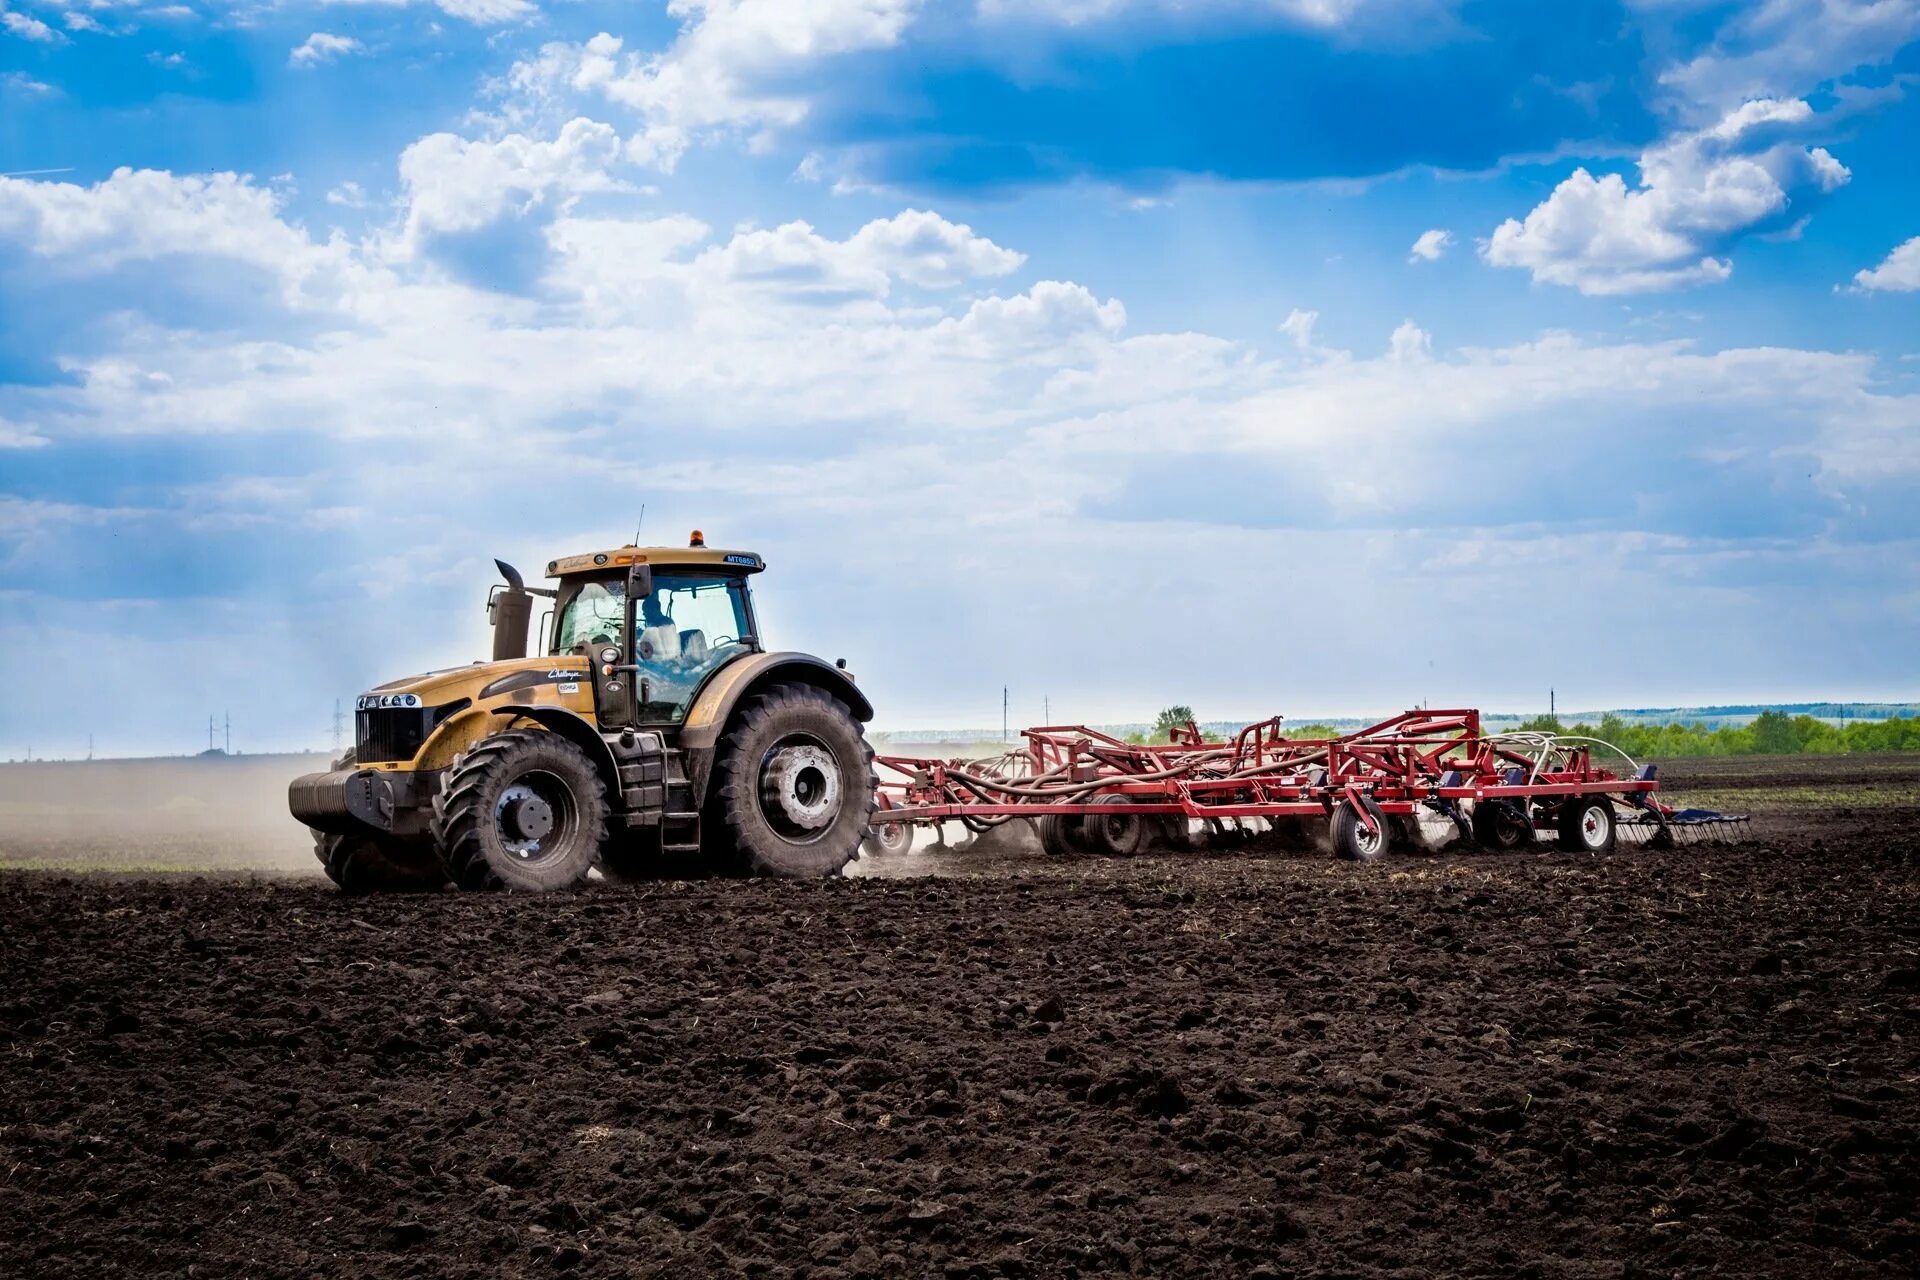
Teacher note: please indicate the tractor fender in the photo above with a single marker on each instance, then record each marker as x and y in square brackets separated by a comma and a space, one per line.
[733, 684]
[576, 729]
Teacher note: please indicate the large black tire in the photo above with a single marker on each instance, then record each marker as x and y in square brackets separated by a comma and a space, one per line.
[1117, 835]
[1501, 824]
[371, 864]
[1586, 825]
[1352, 839]
[375, 864]
[523, 810]
[793, 786]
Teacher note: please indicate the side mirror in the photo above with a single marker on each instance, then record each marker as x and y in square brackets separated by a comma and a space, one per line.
[639, 581]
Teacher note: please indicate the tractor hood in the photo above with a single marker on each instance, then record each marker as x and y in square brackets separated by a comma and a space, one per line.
[547, 679]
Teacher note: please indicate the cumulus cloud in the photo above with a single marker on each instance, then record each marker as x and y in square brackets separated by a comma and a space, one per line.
[1430, 246]
[456, 184]
[722, 72]
[322, 46]
[1900, 273]
[149, 215]
[1698, 193]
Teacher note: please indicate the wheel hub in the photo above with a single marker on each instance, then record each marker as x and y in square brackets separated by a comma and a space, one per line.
[524, 819]
[802, 784]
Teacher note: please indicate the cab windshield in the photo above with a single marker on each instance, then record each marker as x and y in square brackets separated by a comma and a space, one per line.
[687, 627]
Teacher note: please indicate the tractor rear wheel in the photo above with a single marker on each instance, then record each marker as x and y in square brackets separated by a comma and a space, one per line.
[523, 810]
[1586, 825]
[793, 786]
[1353, 840]
[1501, 824]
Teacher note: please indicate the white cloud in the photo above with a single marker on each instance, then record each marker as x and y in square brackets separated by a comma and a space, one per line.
[482, 13]
[27, 27]
[146, 215]
[1783, 48]
[22, 83]
[1698, 192]
[15, 436]
[1410, 344]
[322, 46]
[722, 72]
[348, 195]
[458, 184]
[1430, 246]
[1900, 273]
[1316, 13]
[1299, 326]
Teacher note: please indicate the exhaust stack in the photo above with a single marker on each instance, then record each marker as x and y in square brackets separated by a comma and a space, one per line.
[511, 609]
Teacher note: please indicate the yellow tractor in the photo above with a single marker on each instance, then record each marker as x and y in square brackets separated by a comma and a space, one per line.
[654, 736]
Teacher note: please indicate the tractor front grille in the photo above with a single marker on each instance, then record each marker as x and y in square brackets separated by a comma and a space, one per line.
[391, 733]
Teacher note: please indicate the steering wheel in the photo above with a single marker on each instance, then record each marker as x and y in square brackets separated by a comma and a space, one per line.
[717, 641]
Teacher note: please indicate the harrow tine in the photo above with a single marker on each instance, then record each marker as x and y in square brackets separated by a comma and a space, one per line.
[1683, 829]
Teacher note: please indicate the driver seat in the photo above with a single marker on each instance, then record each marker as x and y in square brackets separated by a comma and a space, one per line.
[660, 644]
[693, 648]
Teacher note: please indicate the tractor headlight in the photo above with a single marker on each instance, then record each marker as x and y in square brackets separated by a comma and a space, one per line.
[609, 655]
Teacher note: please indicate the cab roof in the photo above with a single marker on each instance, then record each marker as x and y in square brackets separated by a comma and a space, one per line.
[715, 559]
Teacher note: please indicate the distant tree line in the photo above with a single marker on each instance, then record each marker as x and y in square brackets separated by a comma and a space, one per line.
[1771, 733]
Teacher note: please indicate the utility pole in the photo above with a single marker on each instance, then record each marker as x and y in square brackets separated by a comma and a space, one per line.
[338, 721]
[228, 719]
[1553, 703]
[1046, 710]
[209, 733]
[1003, 714]
[89, 747]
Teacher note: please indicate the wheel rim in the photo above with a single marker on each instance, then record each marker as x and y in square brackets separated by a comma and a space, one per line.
[1367, 841]
[1593, 827]
[800, 789]
[895, 837]
[534, 817]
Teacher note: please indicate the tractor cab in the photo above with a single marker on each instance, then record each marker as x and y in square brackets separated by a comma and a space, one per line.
[696, 618]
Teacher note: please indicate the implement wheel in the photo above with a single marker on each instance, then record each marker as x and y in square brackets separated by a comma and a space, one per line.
[523, 810]
[1586, 825]
[793, 786]
[1352, 839]
[1501, 824]
[890, 838]
[1062, 834]
[1118, 835]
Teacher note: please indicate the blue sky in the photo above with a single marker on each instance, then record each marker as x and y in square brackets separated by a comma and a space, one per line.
[1273, 356]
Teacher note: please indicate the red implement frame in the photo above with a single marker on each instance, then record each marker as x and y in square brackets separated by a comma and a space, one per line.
[1417, 760]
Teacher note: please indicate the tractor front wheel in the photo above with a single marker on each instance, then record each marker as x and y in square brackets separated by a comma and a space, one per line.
[523, 810]
[793, 786]
[370, 864]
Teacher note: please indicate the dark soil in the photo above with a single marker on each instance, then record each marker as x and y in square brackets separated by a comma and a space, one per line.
[1237, 1064]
